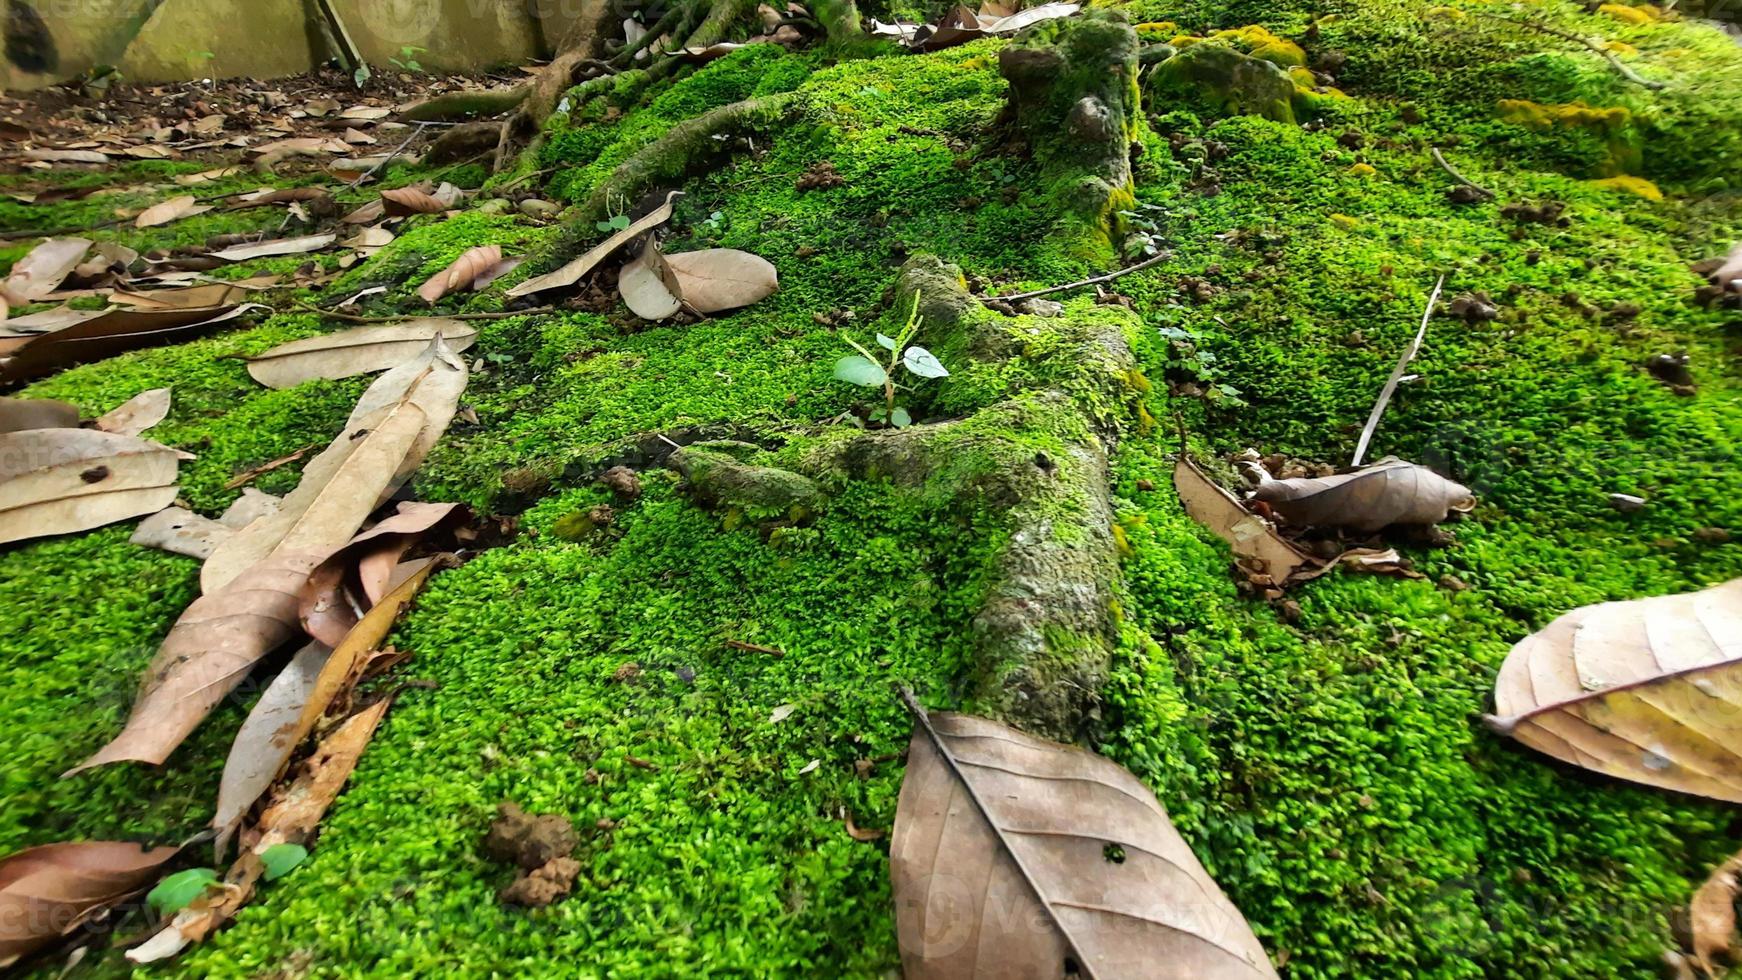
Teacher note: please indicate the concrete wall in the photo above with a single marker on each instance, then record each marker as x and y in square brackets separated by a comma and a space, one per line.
[172, 40]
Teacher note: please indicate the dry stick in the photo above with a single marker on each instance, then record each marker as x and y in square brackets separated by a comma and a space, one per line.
[1608, 55]
[352, 318]
[1397, 375]
[949, 758]
[1440, 159]
[372, 171]
[1097, 280]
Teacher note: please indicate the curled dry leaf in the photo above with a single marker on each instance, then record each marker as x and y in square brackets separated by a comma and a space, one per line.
[47, 892]
[137, 414]
[282, 246]
[92, 338]
[18, 414]
[182, 298]
[1388, 492]
[174, 209]
[364, 350]
[645, 287]
[370, 240]
[466, 269]
[571, 273]
[60, 481]
[180, 531]
[393, 427]
[1250, 536]
[1712, 916]
[413, 200]
[357, 576]
[1011, 855]
[296, 700]
[291, 818]
[1648, 690]
[43, 270]
[368, 214]
[208, 651]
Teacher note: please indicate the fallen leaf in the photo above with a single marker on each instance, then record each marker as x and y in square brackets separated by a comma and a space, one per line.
[1012, 855]
[1646, 690]
[1387, 492]
[295, 701]
[208, 652]
[180, 531]
[571, 273]
[717, 279]
[18, 414]
[60, 481]
[369, 241]
[366, 113]
[1729, 274]
[394, 425]
[43, 270]
[207, 177]
[1712, 917]
[291, 818]
[462, 273]
[48, 892]
[781, 713]
[109, 333]
[1248, 535]
[358, 138]
[283, 246]
[497, 271]
[644, 287]
[66, 156]
[363, 350]
[248, 508]
[357, 576]
[255, 472]
[287, 195]
[146, 152]
[368, 214]
[137, 414]
[173, 209]
[411, 200]
[183, 298]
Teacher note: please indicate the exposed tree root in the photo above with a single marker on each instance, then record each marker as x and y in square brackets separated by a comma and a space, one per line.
[467, 105]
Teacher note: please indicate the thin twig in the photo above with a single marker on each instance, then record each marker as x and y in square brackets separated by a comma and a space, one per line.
[1593, 46]
[1440, 159]
[353, 318]
[1097, 280]
[753, 648]
[1397, 375]
[372, 171]
[949, 759]
[523, 178]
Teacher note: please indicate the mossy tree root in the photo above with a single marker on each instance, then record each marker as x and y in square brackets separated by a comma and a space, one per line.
[688, 147]
[1037, 463]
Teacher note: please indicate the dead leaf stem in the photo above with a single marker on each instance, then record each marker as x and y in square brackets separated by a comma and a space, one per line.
[1445, 165]
[1596, 48]
[1095, 281]
[1397, 374]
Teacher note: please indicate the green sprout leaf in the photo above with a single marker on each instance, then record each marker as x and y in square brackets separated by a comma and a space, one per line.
[620, 222]
[280, 859]
[860, 371]
[921, 362]
[900, 418]
[179, 890]
[886, 342]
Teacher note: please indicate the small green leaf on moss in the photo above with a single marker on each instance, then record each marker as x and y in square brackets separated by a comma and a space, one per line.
[860, 371]
[179, 890]
[280, 859]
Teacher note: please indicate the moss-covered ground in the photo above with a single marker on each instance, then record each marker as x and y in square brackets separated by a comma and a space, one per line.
[1332, 772]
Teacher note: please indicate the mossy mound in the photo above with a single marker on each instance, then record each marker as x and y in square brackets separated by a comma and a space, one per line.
[1330, 771]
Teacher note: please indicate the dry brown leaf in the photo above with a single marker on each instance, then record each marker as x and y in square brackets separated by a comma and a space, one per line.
[1712, 917]
[1012, 855]
[18, 414]
[173, 209]
[209, 651]
[570, 274]
[47, 892]
[206, 177]
[295, 702]
[180, 531]
[285, 195]
[182, 298]
[394, 425]
[66, 156]
[137, 414]
[60, 481]
[412, 200]
[291, 818]
[644, 283]
[368, 214]
[283, 246]
[363, 350]
[43, 270]
[1646, 690]
[466, 269]
[371, 240]
[1388, 492]
[109, 333]
[366, 113]
[1729, 273]
[718, 279]
[356, 577]
[1249, 535]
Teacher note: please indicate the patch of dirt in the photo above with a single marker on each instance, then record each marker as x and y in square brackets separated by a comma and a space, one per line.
[540, 845]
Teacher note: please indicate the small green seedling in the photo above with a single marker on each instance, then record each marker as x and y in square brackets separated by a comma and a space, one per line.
[179, 890]
[617, 223]
[280, 859]
[407, 60]
[864, 369]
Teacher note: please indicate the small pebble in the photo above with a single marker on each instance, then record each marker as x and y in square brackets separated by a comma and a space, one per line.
[1045, 307]
[532, 207]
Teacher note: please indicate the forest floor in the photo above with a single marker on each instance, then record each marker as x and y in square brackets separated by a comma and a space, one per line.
[1324, 756]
